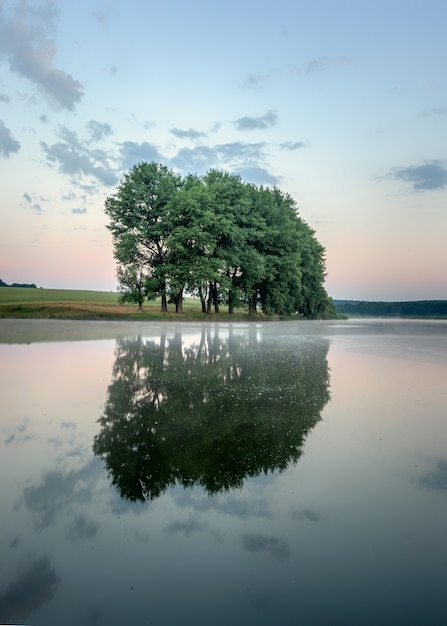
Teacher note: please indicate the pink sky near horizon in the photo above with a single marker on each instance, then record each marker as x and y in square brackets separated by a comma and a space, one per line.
[304, 99]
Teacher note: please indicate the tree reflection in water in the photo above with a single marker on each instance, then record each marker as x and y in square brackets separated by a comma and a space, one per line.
[210, 414]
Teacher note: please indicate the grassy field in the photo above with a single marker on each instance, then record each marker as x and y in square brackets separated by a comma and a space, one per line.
[19, 302]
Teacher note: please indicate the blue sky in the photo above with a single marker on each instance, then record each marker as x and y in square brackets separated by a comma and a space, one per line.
[342, 104]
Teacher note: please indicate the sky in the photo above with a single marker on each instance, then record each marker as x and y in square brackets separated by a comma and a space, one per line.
[340, 103]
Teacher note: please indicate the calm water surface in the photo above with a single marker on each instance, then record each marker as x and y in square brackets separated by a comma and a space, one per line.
[291, 473]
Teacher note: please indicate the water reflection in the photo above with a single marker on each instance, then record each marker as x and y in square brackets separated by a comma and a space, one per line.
[34, 586]
[211, 413]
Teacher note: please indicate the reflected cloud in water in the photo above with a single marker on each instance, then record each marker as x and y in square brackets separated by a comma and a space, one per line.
[186, 528]
[56, 491]
[81, 528]
[261, 543]
[436, 480]
[33, 586]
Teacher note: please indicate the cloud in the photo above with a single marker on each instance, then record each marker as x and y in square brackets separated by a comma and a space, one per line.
[79, 211]
[232, 156]
[77, 159]
[56, 491]
[293, 145]
[324, 63]
[187, 134]
[81, 528]
[436, 480]
[27, 44]
[98, 130]
[144, 124]
[234, 506]
[35, 586]
[258, 176]
[437, 112]
[101, 17]
[255, 123]
[254, 81]
[260, 543]
[8, 145]
[69, 196]
[197, 160]
[36, 206]
[307, 514]
[246, 159]
[4, 98]
[428, 176]
[44, 118]
[186, 527]
[133, 153]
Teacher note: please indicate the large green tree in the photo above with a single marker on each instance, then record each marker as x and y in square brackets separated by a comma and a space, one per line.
[215, 237]
[137, 221]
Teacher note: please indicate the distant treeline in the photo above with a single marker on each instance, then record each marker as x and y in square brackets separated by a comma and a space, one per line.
[26, 285]
[420, 308]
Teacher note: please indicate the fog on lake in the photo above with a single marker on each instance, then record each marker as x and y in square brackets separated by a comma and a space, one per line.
[265, 473]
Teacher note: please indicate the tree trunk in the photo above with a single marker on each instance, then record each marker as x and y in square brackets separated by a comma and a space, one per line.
[252, 304]
[140, 307]
[215, 299]
[179, 302]
[210, 297]
[202, 300]
[164, 304]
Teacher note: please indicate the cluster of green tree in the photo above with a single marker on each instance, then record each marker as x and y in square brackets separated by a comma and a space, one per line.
[26, 285]
[217, 238]
[420, 308]
[202, 415]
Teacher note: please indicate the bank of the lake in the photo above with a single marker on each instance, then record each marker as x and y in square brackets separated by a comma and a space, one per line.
[16, 302]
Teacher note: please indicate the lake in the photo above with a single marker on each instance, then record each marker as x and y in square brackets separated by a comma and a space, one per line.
[276, 473]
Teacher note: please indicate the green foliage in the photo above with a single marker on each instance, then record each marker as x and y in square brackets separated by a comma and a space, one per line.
[211, 414]
[419, 309]
[215, 237]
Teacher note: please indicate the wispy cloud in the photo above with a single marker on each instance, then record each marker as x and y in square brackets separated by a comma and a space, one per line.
[325, 63]
[187, 134]
[258, 176]
[8, 145]
[80, 211]
[36, 206]
[132, 152]
[436, 112]
[255, 81]
[293, 145]
[4, 98]
[247, 159]
[261, 543]
[425, 177]
[255, 123]
[98, 130]
[75, 157]
[27, 44]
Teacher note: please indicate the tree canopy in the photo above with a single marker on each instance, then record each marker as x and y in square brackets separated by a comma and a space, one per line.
[218, 238]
